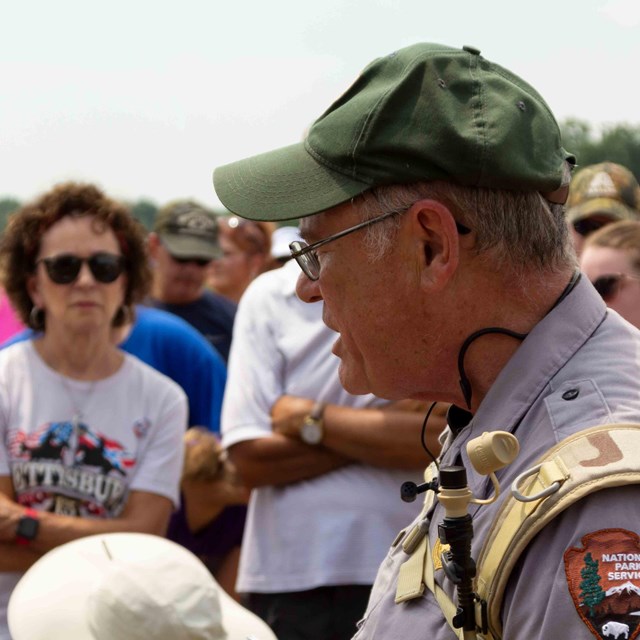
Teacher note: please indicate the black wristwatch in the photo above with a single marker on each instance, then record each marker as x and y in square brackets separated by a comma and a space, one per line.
[28, 526]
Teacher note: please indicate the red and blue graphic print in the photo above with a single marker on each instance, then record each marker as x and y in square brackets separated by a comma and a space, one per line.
[70, 469]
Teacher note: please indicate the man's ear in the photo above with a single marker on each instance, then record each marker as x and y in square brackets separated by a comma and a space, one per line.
[439, 240]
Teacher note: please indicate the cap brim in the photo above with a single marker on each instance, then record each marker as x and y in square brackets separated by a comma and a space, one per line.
[240, 623]
[284, 184]
[186, 246]
[601, 206]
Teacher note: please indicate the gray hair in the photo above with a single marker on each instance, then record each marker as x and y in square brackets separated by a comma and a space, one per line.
[514, 230]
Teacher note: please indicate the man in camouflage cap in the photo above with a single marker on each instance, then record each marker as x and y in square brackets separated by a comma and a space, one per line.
[182, 245]
[431, 202]
[600, 194]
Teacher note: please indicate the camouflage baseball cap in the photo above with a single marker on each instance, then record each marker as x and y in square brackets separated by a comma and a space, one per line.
[425, 112]
[188, 230]
[607, 189]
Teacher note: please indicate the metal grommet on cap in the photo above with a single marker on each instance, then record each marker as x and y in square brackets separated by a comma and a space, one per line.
[572, 394]
[472, 50]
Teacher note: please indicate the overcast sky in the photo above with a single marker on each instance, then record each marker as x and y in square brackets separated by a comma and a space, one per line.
[146, 97]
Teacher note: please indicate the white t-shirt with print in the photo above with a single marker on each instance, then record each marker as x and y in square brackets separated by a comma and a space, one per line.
[77, 448]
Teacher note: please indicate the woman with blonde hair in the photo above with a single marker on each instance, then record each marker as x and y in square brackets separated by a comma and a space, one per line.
[611, 260]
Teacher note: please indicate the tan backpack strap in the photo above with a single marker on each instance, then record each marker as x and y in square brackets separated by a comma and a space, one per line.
[418, 571]
[410, 584]
[601, 457]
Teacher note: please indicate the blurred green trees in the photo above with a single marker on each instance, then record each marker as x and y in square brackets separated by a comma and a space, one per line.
[613, 142]
[618, 143]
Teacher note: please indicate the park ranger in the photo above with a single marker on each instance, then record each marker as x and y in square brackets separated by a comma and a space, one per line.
[431, 203]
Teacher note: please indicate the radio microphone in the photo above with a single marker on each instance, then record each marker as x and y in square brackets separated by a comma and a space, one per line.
[409, 490]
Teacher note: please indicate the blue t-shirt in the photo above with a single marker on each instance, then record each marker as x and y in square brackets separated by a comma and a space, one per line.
[211, 314]
[173, 347]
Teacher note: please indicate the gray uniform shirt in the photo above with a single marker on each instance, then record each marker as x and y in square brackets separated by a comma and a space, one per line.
[582, 348]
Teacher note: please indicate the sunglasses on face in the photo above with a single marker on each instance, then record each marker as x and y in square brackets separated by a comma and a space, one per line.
[65, 268]
[200, 262]
[608, 285]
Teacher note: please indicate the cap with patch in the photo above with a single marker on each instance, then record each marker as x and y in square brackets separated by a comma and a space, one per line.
[607, 189]
[188, 230]
[425, 112]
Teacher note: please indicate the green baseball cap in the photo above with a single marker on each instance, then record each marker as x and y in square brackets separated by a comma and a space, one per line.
[607, 189]
[188, 230]
[425, 112]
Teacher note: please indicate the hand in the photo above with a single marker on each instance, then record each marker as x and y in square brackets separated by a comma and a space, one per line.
[203, 455]
[204, 500]
[288, 414]
[10, 513]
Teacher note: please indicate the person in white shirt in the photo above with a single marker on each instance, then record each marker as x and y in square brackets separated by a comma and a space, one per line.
[325, 466]
[91, 437]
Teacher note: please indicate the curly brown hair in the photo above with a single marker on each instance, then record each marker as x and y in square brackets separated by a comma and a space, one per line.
[20, 243]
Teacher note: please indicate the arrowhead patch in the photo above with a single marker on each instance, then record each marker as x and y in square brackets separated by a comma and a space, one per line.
[604, 582]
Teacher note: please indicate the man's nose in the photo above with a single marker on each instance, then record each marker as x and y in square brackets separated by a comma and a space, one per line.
[308, 290]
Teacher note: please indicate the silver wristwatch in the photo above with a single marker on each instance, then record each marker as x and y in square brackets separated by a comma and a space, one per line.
[312, 428]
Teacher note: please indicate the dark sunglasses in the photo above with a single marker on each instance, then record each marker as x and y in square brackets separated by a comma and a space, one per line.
[608, 285]
[201, 262]
[587, 226]
[64, 269]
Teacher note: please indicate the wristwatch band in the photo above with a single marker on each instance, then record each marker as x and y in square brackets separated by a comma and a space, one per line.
[317, 411]
[27, 528]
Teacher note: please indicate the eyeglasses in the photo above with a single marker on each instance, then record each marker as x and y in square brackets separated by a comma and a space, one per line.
[608, 285]
[64, 269]
[306, 256]
[201, 262]
[587, 226]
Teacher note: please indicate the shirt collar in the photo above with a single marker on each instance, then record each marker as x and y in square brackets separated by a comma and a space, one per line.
[547, 348]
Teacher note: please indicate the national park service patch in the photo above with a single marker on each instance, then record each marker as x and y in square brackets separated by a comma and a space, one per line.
[604, 582]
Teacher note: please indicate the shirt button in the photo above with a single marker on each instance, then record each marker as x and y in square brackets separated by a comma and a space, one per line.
[572, 394]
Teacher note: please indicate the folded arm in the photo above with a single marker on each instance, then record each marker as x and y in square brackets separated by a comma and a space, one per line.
[278, 460]
[386, 437]
[144, 512]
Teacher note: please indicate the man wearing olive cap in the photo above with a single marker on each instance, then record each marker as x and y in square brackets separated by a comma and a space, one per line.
[431, 198]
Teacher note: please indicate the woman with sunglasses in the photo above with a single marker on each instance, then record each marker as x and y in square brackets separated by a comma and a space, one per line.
[246, 253]
[91, 438]
[611, 260]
